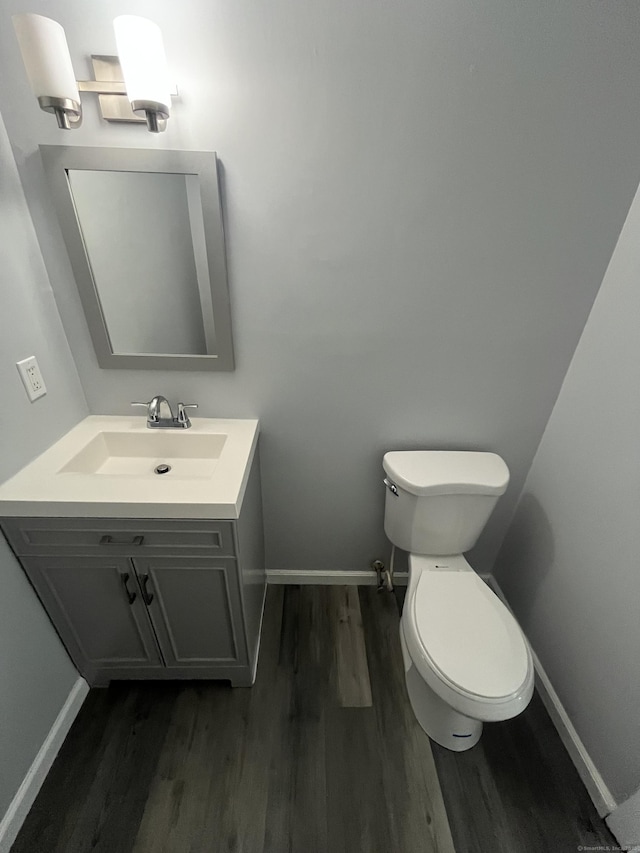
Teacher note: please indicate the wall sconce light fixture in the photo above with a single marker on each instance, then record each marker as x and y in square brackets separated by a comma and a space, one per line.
[131, 87]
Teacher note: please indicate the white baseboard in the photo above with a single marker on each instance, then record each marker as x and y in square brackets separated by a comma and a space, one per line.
[594, 783]
[330, 576]
[624, 822]
[37, 773]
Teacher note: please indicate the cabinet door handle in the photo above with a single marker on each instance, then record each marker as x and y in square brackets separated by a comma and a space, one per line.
[109, 540]
[131, 596]
[147, 596]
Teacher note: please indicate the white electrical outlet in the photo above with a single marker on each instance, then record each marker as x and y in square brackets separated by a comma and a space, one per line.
[31, 378]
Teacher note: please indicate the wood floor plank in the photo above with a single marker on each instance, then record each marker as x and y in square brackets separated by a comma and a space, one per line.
[102, 774]
[296, 812]
[357, 817]
[245, 813]
[354, 687]
[116, 795]
[412, 790]
[52, 816]
[196, 772]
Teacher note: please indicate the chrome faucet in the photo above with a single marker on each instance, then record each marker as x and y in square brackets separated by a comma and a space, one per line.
[160, 416]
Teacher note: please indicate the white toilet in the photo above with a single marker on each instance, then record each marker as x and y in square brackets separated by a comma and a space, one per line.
[466, 659]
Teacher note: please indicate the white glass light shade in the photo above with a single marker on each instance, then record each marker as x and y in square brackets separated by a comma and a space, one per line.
[142, 57]
[44, 49]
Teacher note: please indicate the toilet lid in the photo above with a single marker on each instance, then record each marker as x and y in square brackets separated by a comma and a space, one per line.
[468, 635]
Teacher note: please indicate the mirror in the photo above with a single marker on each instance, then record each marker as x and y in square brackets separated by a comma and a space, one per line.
[144, 234]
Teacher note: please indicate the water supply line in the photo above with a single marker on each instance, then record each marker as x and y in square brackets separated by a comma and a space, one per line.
[388, 573]
[385, 576]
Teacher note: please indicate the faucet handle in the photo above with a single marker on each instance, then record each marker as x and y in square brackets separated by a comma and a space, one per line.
[151, 415]
[183, 417]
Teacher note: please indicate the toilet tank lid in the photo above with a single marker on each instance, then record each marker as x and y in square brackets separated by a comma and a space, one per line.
[447, 472]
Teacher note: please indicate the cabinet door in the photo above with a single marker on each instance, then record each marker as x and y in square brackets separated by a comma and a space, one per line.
[194, 606]
[96, 606]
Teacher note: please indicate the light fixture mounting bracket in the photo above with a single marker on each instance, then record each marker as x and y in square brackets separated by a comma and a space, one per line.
[110, 89]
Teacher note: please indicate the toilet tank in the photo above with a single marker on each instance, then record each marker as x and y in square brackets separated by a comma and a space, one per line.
[438, 501]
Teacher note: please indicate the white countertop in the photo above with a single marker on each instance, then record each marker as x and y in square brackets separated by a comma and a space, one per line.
[42, 489]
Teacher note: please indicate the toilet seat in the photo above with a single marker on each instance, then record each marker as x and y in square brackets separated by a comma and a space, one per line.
[464, 642]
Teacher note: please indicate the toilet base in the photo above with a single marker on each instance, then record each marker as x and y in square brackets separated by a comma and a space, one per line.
[440, 721]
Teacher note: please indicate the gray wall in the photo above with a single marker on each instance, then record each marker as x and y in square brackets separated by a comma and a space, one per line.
[569, 564]
[421, 199]
[35, 672]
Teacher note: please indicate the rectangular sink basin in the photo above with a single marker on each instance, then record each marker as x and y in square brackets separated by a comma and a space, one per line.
[105, 468]
[119, 454]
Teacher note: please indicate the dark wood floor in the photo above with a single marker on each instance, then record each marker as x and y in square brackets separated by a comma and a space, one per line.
[322, 755]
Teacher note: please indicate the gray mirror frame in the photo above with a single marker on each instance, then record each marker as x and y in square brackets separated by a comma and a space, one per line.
[57, 159]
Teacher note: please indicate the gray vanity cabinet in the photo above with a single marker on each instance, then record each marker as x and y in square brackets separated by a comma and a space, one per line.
[96, 605]
[151, 598]
[122, 618]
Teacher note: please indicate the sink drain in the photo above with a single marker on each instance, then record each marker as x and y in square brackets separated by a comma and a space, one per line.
[162, 468]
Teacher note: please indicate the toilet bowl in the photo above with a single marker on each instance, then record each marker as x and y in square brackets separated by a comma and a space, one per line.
[466, 660]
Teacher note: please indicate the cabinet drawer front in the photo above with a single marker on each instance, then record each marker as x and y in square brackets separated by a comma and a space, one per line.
[42, 536]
